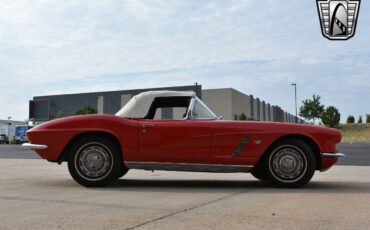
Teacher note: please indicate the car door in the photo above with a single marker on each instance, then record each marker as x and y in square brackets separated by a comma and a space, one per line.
[181, 141]
[236, 142]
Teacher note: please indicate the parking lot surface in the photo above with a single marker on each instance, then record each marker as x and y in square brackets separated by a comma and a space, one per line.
[36, 194]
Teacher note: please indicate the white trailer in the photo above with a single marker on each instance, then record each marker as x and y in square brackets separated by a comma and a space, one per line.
[7, 131]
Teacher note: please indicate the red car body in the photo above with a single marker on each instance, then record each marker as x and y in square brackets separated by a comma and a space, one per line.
[183, 141]
[101, 148]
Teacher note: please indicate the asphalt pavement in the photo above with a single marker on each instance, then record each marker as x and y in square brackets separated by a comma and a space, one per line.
[35, 194]
[16, 152]
[357, 153]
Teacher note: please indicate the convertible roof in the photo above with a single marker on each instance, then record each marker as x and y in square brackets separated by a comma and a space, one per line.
[139, 105]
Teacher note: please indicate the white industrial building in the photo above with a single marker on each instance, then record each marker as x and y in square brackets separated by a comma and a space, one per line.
[7, 129]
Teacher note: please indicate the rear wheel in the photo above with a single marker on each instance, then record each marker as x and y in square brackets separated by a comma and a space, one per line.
[95, 161]
[291, 163]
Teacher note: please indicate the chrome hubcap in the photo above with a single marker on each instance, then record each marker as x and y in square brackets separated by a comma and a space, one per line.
[94, 161]
[288, 164]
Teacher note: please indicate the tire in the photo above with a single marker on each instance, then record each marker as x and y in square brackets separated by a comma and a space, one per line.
[290, 164]
[95, 161]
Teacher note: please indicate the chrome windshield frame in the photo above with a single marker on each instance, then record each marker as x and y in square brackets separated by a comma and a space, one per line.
[191, 108]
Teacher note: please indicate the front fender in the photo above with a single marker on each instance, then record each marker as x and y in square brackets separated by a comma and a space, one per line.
[58, 133]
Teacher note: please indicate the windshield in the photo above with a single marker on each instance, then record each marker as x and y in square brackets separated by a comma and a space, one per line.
[201, 111]
[139, 105]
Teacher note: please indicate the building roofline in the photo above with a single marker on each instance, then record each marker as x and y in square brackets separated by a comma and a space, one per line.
[115, 91]
[13, 121]
[228, 88]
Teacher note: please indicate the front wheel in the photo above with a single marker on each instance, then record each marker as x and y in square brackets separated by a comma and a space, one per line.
[95, 161]
[291, 163]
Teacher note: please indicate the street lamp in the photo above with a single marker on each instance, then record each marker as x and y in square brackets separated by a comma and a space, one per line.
[295, 97]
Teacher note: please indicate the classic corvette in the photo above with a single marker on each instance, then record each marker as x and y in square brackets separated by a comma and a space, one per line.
[102, 148]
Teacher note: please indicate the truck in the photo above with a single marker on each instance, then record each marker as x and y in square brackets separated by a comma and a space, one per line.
[20, 134]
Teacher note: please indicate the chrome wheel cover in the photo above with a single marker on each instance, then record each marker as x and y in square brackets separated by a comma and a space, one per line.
[93, 161]
[288, 163]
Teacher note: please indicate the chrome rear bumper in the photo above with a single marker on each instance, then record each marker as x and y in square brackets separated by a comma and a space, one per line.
[34, 146]
[333, 155]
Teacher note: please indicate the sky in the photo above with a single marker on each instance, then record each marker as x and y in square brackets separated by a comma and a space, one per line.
[257, 47]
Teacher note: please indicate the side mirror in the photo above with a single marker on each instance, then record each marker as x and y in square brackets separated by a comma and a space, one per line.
[220, 117]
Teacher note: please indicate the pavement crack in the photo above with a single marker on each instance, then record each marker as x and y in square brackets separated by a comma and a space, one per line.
[10, 198]
[185, 210]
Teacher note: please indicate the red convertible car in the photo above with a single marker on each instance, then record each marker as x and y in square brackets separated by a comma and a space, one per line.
[102, 148]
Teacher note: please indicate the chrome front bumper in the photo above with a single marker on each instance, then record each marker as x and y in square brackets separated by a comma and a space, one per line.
[34, 146]
[333, 155]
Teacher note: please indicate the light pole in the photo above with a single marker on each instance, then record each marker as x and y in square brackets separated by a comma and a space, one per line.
[9, 129]
[295, 97]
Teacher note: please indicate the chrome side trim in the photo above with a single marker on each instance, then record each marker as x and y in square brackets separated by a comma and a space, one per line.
[34, 146]
[333, 155]
[241, 146]
[216, 168]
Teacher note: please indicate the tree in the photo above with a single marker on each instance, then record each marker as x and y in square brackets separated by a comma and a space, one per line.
[359, 120]
[60, 114]
[367, 118]
[86, 109]
[350, 119]
[243, 117]
[331, 116]
[311, 108]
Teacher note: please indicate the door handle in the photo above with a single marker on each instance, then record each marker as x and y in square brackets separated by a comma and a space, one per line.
[146, 126]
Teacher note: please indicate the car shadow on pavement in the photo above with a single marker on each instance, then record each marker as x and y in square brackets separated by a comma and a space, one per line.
[339, 187]
[237, 185]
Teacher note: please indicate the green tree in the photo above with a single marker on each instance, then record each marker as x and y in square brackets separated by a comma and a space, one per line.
[359, 120]
[86, 109]
[350, 119]
[331, 117]
[311, 108]
[367, 118]
[243, 117]
[60, 114]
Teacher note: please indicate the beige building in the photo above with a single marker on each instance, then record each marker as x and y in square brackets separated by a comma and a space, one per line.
[227, 102]
[232, 105]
